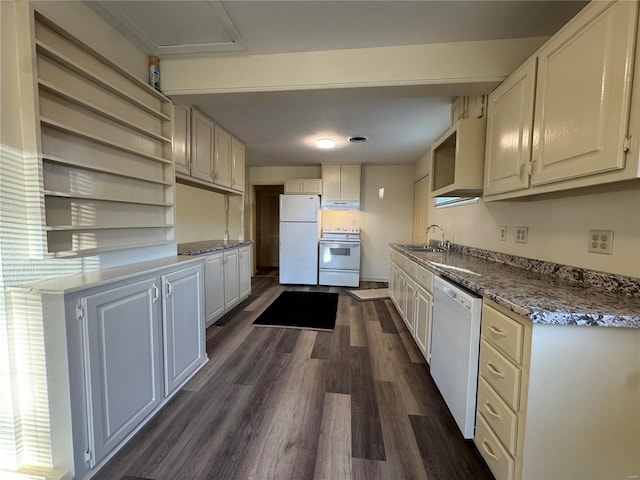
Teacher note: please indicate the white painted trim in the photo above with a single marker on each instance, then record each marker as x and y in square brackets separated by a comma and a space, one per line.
[129, 29]
[460, 202]
[465, 63]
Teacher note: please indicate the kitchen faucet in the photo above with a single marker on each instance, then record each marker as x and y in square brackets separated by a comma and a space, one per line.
[434, 226]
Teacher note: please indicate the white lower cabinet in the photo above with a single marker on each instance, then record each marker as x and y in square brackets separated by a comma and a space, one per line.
[422, 332]
[410, 287]
[214, 287]
[227, 280]
[136, 333]
[183, 325]
[231, 278]
[554, 401]
[123, 361]
[244, 263]
[410, 304]
[118, 344]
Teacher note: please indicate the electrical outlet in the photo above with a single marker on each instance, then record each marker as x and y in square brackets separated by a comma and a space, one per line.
[522, 234]
[503, 234]
[601, 241]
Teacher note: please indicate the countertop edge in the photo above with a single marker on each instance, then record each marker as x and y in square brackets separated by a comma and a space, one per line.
[206, 250]
[536, 316]
[97, 278]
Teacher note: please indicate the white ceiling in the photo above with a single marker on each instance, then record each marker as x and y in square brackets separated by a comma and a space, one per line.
[401, 122]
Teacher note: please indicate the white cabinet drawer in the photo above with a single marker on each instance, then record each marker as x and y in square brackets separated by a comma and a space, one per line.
[500, 373]
[498, 459]
[424, 278]
[503, 333]
[498, 415]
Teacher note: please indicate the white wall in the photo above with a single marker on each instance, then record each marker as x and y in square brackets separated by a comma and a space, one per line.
[470, 66]
[382, 221]
[558, 226]
[200, 215]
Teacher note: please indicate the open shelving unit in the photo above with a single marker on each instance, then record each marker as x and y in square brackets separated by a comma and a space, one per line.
[105, 150]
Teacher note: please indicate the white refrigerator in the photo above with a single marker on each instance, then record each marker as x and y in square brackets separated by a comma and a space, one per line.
[299, 233]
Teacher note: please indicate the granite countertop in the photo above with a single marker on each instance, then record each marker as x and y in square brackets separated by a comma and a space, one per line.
[209, 246]
[539, 295]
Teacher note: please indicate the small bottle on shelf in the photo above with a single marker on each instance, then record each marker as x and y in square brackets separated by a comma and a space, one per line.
[154, 72]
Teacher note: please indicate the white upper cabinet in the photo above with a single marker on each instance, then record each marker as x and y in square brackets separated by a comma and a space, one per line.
[457, 160]
[222, 165]
[181, 143]
[340, 186]
[237, 165]
[306, 186]
[583, 120]
[509, 129]
[202, 135]
[350, 183]
[583, 93]
[204, 154]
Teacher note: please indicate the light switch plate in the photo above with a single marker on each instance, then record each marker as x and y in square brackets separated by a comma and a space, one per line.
[601, 241]
[522, 234]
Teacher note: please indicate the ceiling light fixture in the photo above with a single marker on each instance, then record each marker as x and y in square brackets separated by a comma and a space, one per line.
[325, 143]
[358, 139]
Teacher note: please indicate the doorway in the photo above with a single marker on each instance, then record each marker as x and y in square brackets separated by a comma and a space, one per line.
[268, 228]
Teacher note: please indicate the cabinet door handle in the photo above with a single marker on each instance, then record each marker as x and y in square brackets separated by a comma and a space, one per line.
[496, 331]
[488, 451]
[169, 288]
[490, 410]
[521, 173]
[494, 370]
[156, 293]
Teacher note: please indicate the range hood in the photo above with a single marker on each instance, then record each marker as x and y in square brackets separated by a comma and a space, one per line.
[339, 205]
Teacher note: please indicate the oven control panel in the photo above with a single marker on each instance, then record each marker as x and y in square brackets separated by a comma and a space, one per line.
[351, 230]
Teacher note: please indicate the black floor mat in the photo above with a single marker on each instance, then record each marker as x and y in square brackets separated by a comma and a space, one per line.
[314, 310]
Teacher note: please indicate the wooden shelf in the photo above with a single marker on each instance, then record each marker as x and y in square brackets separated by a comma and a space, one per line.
[51, 53]
[100, 193]
[87, 228]
[79, 164]
[95, 251]
[95, 109]
[52, 193]
[103, 141]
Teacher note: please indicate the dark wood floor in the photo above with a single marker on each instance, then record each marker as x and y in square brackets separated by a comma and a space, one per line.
[275, 403]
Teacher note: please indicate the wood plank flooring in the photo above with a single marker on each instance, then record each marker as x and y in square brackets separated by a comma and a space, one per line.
[284, 404]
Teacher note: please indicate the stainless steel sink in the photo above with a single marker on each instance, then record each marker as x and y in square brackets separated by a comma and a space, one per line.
[422, 248]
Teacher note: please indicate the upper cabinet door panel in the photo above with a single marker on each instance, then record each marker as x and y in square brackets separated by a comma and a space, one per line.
[330, 182]
[201, 147]
[237, 161]
[509, 128]
[582, 107]
[181, 139]
[350, 183]
[222, 175]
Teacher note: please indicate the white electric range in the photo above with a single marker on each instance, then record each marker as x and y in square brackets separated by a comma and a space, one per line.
[339, 256]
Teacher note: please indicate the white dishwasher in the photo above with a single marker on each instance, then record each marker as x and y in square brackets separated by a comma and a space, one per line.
[455, 346]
